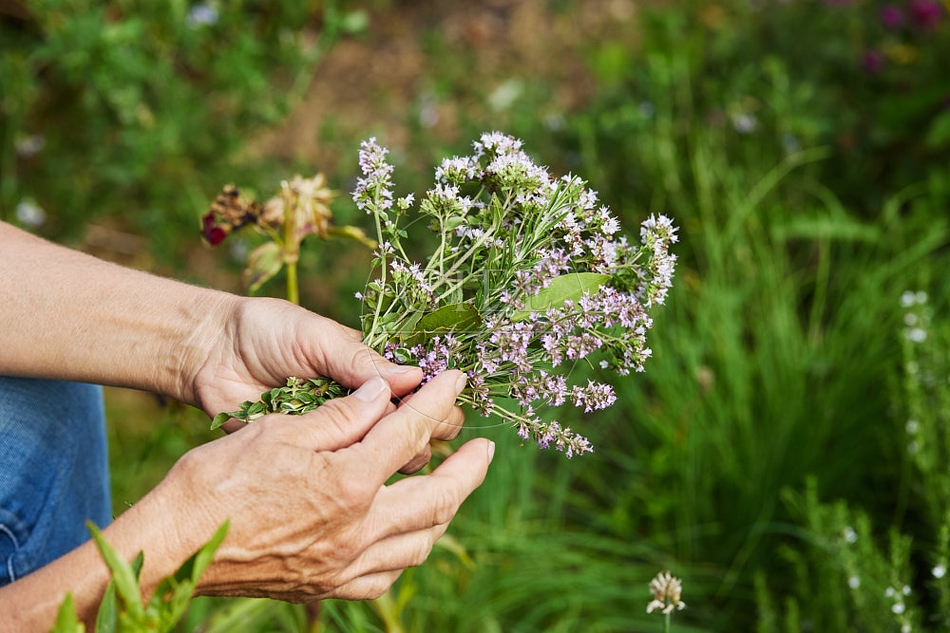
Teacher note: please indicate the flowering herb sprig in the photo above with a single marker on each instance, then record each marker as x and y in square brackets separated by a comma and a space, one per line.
[530, 276]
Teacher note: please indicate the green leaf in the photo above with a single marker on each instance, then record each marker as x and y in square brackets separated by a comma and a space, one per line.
[66, 620]
[263, 263]
[255, 409]
[196, 565]
[123, 574]
[939, 133]
[108, 617]
[458, 316]
[220, 419]
[352, 233]
[569, 287]
[452, 318]
[171, 597]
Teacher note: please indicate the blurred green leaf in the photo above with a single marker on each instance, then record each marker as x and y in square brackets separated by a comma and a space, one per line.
[124, 575]
[263, 263]
[938, 136]
[66, 620]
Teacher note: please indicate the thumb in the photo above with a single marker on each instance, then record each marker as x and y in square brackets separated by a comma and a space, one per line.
[341, 422]
[351, 363]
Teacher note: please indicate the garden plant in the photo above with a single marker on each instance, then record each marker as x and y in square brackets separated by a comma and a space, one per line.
[784, 454]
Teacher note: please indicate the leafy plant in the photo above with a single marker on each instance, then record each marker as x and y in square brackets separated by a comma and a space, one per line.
[122, 609]
[107, 108]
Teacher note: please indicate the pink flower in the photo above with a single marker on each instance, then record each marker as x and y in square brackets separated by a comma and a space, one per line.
[927, 14]
[892, 17]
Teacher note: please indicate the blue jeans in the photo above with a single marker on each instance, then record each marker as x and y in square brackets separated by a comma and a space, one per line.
[54, 471]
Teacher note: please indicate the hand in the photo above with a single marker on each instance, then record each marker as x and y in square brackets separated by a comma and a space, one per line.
[258, 343]
[311, 516]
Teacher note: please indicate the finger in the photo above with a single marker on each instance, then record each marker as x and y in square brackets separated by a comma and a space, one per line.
[403, 434]
[450, 428]
[344, 358]
[368, 587]
[338, 423]
[446, 431]
[396, 553]
[419, 503]
[418, 462]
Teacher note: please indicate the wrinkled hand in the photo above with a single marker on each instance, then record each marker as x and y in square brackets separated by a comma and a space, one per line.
[311, 516]
[258, 343]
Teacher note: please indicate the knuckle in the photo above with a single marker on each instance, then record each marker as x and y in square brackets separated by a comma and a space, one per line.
[423, 550]
[378, 586]
[446, 504]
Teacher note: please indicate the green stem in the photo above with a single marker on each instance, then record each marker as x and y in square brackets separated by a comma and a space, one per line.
[666, 622]
[382, 271]
[293, 290]
[291, 248]
[389, 612]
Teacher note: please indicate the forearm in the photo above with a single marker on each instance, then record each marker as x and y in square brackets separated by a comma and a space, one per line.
[31, 603]
[66, 315]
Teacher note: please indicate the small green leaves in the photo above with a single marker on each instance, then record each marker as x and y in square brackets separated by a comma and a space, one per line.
[296, 397]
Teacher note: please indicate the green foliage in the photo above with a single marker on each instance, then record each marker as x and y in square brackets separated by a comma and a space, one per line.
[122, 609]
[136, 111]
[767, 455]
[298, 396]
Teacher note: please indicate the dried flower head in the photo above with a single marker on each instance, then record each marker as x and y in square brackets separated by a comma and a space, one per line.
[300, 208]
[666, 590]
[229, 212]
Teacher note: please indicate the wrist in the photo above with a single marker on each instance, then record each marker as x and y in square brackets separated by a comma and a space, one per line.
[212, 318]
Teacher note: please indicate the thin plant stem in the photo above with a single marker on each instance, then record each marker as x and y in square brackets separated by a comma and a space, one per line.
[293, 289]
[291, 250]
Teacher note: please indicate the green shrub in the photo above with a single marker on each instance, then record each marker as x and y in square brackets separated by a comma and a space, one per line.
[140, 112]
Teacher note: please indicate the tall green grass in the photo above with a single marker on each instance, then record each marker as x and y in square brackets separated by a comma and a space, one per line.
[772, 361]
[771, 418]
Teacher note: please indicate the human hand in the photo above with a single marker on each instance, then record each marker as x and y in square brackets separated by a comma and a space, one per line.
[255, 344]
[311, 516]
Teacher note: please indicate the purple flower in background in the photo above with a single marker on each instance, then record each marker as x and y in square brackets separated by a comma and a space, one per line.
[927, 14]
[873, 61]
[892, 17]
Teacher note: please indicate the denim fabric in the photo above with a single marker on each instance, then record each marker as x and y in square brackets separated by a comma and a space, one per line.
[54, 471]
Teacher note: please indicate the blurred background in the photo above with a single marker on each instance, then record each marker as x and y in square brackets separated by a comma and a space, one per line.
[786, 452]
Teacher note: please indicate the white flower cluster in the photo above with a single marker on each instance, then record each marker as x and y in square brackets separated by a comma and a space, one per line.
[530, 276]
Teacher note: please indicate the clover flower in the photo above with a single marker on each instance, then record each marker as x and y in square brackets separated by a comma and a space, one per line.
[666, 590]
[530, 276]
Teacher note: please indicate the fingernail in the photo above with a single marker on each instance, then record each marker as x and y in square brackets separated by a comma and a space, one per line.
[491, 451]
[371, 389]
[460, 384]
